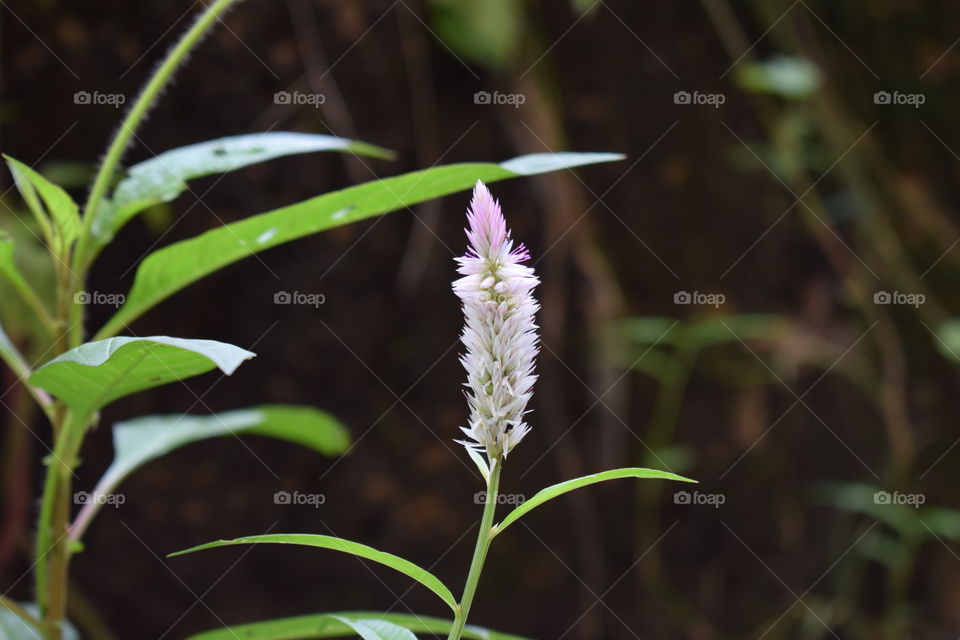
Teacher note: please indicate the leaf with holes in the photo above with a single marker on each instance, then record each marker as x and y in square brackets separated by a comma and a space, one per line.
[176, 266]
[164, 177]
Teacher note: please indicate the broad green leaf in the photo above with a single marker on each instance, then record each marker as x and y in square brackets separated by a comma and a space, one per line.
[12, 627]
[164, 177]
[138, 441]
[328, 625]
[172, 268]
[97, 373]
[564, 487]
[405, 567]
[377, 629]
[59, 204]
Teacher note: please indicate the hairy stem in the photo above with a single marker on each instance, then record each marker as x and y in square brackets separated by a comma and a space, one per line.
[479, 553]
[126, 131]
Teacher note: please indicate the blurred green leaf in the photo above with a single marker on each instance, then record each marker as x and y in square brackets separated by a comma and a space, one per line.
[785, 76]
[484, 31]
[942, 522]
[706, 332]
[676, 457]
[328, 625]
[882, 548]
[96, 373]
[948, 339]
[405, 567]
[172, 268]
[909, 520]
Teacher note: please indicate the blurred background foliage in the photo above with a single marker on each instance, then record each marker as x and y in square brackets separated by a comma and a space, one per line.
[797, 399]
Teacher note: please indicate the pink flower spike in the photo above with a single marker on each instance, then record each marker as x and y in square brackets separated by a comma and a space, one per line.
[500, 331]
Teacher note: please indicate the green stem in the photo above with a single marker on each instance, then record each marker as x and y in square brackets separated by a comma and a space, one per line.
[127, 128]
[479, 553]
[53, 545]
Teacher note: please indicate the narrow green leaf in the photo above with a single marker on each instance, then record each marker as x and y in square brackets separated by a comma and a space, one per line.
[564, 487]
[59, 204]
[138, 441]
[97, 373]
[172, 268]
[164, 177]
[378, 629]
[328, 625]
[405, 567]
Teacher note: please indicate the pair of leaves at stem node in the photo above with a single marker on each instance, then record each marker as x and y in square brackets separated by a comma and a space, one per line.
[406, 567]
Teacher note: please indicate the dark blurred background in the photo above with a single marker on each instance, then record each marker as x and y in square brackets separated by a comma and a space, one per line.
[759, 297]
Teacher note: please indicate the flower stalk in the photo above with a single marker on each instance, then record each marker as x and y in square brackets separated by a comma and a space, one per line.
[484, 537]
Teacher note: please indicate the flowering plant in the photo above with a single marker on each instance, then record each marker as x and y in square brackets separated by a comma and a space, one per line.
[500, 336]
[72, 379]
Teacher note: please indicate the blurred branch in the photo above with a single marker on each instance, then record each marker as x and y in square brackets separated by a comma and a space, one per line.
[321, 81]
[425, 116]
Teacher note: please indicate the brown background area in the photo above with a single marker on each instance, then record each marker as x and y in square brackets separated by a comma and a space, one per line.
[381, 353]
